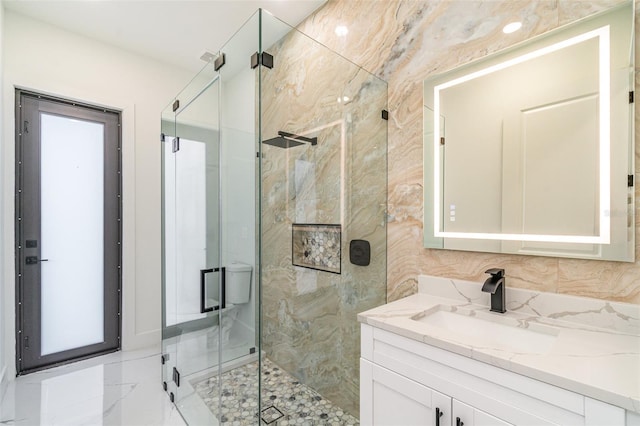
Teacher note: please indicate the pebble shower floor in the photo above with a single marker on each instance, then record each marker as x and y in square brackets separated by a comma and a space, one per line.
[285, 400]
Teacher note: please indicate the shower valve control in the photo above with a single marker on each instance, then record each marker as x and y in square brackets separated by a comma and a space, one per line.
[360, 252]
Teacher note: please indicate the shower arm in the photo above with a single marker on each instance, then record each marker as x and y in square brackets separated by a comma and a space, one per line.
[297, 138]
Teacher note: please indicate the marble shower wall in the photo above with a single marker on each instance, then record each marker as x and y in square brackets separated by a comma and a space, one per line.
[405, 41]
[309, 323]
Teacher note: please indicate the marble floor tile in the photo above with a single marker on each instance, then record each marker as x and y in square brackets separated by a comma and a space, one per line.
[122, 388]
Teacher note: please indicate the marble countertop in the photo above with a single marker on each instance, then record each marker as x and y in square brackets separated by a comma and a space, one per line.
[584, 345]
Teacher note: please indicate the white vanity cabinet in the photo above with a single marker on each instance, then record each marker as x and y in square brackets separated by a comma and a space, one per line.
[390, 399]
[466, 415]
[405, 382]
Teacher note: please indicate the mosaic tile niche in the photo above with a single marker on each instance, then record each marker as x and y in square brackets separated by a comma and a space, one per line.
[317, 247]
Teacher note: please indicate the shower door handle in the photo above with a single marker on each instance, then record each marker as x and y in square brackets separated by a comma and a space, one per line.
[203, 290]
[203, 283]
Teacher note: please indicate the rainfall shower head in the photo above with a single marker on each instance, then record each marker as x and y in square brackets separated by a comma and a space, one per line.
[288, 140]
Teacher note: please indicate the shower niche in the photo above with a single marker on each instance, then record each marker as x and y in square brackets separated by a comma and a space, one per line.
[251, 149]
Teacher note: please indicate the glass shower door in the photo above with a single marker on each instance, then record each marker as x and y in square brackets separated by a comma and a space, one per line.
[210, 264]
[198, 273]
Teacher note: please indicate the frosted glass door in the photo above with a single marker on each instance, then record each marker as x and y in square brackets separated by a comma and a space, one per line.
[71, 168]
[68, 231]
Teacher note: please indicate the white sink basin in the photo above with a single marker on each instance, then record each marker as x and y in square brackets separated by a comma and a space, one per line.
[489, 330]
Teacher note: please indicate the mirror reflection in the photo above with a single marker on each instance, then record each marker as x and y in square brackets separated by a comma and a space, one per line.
[530, 150]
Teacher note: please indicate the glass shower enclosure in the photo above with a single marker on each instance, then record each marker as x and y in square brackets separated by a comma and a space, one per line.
[274, 182]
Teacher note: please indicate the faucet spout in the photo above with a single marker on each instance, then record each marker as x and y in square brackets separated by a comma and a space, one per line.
[492, 284]
[495, 285]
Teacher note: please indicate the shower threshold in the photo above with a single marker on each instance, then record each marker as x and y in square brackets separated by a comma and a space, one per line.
[285, 401]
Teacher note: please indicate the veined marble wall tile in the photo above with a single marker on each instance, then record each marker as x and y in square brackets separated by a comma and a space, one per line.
[309, 317]
[607, 280]
[570, 9]
[404, 41]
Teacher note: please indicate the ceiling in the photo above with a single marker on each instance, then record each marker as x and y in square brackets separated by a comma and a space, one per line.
[176, 31]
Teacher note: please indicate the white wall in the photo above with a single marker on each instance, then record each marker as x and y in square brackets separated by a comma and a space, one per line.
[3, 362]
[51, 60]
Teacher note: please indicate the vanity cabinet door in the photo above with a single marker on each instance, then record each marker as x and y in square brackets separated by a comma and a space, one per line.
[389, 399]
[466, 415]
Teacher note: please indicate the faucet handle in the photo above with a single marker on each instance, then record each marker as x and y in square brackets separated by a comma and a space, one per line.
[496, 272]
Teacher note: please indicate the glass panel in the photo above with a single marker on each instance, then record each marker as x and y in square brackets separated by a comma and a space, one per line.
[238, 202]
[169, 225]
[310, 327]
[215, 243]
[310, 332]
[191, 224]
[197, 246]
[72, 197]
[168, 248]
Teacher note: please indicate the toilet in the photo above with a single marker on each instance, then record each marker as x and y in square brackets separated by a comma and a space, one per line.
[237, 292]
[238, 283]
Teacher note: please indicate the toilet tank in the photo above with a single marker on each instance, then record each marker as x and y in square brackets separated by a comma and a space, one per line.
[238, 282]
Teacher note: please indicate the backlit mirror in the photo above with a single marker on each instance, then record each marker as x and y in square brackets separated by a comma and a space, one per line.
[530, 150]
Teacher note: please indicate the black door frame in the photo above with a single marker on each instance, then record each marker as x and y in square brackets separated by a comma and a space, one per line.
[27, 227]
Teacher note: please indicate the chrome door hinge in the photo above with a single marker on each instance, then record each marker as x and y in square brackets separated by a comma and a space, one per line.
[176, 377]
[176, 144]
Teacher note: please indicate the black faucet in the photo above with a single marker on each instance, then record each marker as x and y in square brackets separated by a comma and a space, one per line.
[496, 285]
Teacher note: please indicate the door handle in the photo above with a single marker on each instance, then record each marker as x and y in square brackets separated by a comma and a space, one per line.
[203, 273]
[459, 422]
[33, 260]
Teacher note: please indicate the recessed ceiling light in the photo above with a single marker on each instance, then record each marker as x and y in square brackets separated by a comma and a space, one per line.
[512, 27]
[342, 30]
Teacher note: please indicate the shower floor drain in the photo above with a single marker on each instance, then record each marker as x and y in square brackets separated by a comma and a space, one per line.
[271, 414]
